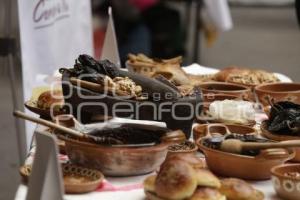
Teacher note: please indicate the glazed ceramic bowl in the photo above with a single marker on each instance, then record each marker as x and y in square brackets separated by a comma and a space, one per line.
[240, 91]
[116, 161]
[203, 130]
[278, 92]
[241, 166]
[286, 187]
[279, 138]
[77, 179]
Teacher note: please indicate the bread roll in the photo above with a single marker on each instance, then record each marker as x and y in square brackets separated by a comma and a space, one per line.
[191, 159]
[207, 194]
[175, 180]
[149, 183]
[236, 189]
[207, 179]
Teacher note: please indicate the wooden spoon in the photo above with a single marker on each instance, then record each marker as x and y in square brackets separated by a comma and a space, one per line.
[237, 146]
[62, 129]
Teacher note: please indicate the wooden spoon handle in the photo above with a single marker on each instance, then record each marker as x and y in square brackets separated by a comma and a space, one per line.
[48, 124]
[255, 145]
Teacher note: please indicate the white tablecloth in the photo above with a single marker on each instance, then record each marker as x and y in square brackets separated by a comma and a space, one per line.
[138, 194]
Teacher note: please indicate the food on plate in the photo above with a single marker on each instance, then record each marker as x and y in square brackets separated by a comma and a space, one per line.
[284, 118]
[237, 189]
[232, 111]
[245, 76]
[178, 179]
[169, 68]
[53, 99]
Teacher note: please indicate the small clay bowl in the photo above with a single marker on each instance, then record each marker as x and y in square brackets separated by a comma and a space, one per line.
[240, 91]
[77, 179]
[278, 92]
[241, 166]
[286, 186]
[116, 161]
[204, 130]
[192, 150]
[279, 138]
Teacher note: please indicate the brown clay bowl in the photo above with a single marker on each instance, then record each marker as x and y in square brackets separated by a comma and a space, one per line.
[278, 138]
[77, 179]
[204, 130]
[241, 166]
[278, 92]
[116, 161]
[286, 187]
[240, 91]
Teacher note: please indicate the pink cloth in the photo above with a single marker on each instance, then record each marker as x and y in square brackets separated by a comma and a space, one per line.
[108, 187]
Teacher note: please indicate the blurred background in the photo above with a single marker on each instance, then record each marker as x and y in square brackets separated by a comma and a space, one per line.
[265, 34]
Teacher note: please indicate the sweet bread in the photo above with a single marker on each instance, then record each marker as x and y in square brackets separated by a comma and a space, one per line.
[236, 189]
[175, 180]
[207, 179]
[207, 194]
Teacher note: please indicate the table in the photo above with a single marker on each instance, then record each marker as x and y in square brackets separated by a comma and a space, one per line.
[138, 194]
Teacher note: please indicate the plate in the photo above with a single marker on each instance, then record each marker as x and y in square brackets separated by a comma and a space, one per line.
[46, 114]
[77, 180]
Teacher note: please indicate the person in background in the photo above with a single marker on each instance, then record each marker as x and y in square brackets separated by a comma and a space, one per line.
[144, 26]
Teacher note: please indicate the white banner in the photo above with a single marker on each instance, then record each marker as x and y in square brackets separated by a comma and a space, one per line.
[53, 33]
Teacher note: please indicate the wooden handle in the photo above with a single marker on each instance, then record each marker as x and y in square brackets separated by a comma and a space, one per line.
[255, 145]
[48, 124]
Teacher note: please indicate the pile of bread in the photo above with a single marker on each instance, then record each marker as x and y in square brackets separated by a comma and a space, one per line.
[171, 69]
[185, 178]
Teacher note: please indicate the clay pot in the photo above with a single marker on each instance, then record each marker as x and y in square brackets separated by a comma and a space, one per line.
[203, 130]
[278, 92]
[116, 161]
[286, 187]
[183, 152]
[240, 91]
[241, 166]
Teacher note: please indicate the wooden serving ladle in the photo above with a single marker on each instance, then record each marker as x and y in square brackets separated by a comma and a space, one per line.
[62, 129]
[169, 137]
[237, 146]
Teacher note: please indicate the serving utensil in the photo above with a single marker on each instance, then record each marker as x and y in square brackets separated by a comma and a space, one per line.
[237, 146]
[169, 137]
[63, 130]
